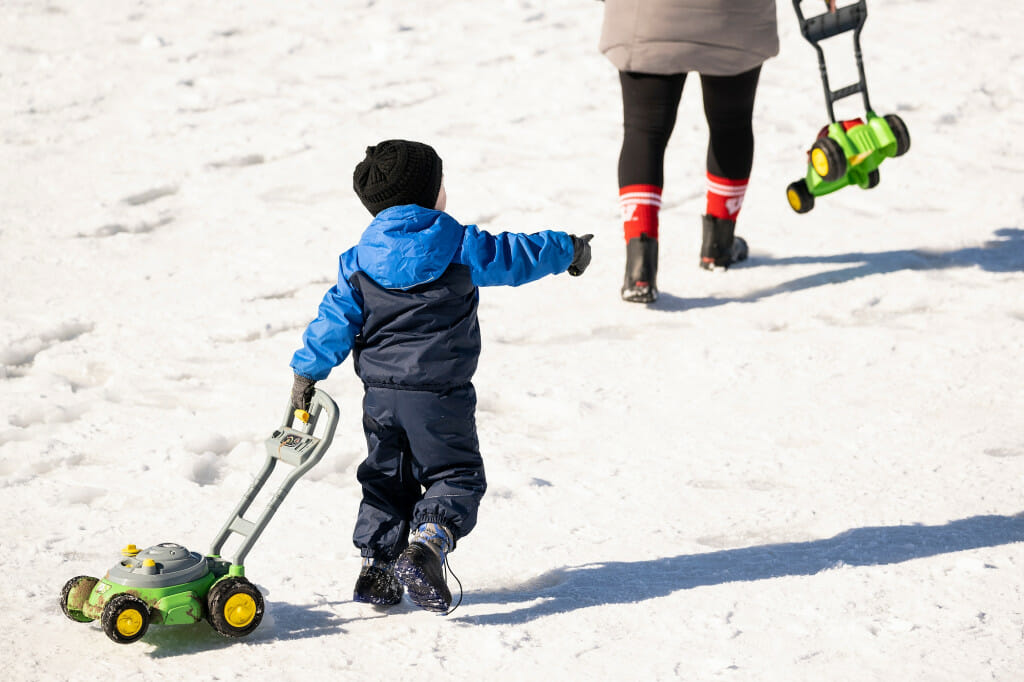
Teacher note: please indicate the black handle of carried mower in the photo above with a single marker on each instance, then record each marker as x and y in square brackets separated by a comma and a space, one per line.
[815, 29]
[847, 18]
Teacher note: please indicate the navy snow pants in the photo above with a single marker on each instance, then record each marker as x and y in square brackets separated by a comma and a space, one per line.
[423, 465]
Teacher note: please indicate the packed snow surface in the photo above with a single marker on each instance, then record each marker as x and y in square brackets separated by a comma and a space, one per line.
[809, 467]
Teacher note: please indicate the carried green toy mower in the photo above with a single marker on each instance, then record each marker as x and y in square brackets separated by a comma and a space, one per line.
[846, 152]
[168, 585]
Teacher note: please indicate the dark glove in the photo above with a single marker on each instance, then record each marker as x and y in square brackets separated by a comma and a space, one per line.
[302, 392]
[580, 255]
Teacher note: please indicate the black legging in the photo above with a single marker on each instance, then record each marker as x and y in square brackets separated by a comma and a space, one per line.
[649, 104]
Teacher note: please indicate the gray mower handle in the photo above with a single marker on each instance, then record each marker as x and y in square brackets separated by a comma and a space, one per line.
[298, 447]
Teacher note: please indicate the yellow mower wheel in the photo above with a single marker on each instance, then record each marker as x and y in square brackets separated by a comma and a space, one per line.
[828, 159]
[125, 618]
[235, 607]
[800, 198]
[239, 610]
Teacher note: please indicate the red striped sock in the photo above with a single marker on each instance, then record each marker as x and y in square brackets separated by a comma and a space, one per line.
[725, 196]
[640, 205]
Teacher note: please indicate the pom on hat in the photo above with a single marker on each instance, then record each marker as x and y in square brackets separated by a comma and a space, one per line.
[398, 172]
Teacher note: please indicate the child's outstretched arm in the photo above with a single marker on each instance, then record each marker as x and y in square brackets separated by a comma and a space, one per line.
[513, 258]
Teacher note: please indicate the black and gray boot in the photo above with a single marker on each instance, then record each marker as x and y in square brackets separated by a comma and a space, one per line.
[377, 584]
[640, 285]
[721, 248]
[421, 567]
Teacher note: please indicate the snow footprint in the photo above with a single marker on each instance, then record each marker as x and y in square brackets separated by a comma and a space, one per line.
[238, 161]
[138, 226]
[206, 466]
[82, 494]
[149, 195]
[40, 413]
[141, 227]
[18, 357]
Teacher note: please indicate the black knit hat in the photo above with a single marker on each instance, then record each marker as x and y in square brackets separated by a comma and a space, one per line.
[398, 172]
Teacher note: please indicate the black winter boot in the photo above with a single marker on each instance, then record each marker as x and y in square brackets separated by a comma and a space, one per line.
[721, 248]
[421, 567]
[377, 584]
[640, 285]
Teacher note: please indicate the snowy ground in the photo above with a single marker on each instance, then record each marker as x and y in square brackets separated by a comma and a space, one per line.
[807, 468]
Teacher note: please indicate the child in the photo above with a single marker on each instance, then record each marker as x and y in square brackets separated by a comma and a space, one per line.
[405, 305]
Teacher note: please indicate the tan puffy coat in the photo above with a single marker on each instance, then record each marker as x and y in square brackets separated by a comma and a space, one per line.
[713, 37]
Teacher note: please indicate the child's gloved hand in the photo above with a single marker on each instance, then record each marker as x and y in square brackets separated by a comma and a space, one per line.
[581, 254]
[302, 392]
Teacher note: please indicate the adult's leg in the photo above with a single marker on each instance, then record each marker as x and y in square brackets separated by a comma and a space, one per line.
[729, 108]
[649, 106]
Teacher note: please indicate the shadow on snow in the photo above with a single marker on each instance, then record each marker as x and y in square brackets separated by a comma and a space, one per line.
[1005, 254]
[621, 582]
[577, 587]
[286, 622]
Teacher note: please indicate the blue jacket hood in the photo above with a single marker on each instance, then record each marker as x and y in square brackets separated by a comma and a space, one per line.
[406, 246]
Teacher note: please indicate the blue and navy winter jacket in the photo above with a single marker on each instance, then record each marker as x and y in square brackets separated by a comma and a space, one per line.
[405, 304]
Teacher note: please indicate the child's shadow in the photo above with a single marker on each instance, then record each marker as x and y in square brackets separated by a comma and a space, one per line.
[623, 582]
[1004, 254]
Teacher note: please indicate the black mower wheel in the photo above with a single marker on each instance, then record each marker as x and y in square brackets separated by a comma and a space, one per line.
[75, 593]
[800, 198]
[873, 179]
[900, 132]
[125, 618]
[235, 607]
[828, 159]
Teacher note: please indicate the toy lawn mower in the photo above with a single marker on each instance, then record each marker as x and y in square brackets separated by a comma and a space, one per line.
[846, 152]
[169, 585]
